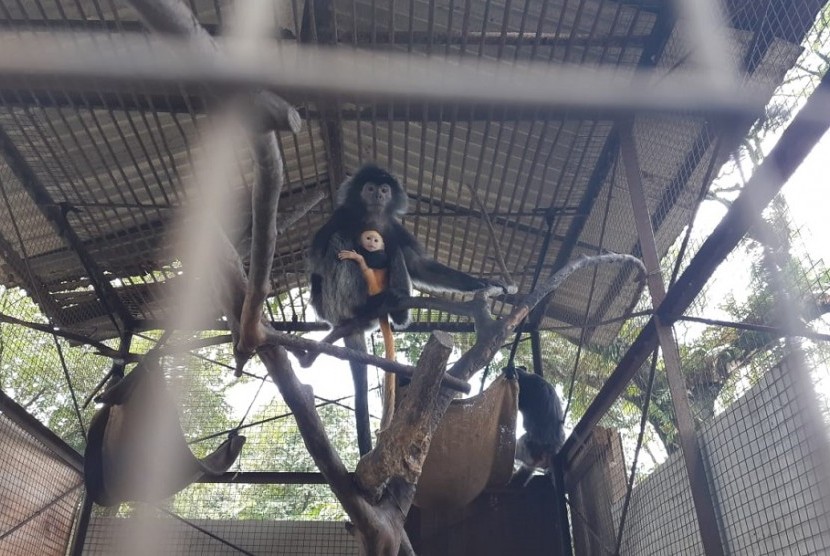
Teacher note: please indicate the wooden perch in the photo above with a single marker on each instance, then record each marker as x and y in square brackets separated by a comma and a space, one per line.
[379, 526]
[264, 201]
[292, 217]
[402, 445]
[264, 112]
[488, 344]
[379, 498]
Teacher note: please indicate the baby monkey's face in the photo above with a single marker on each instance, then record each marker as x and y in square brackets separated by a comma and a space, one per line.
[371, 241]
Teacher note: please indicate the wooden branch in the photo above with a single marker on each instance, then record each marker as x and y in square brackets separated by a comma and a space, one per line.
[266, 111]
[300, 400]
[478, 309]
[264, 201]
[305, 345]
[402, 447]
[487, 345]
[229, 285]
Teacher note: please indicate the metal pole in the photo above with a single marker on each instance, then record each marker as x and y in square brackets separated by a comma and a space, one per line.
[562, 514]
[702, 498]
[81, 527]
[536, 350]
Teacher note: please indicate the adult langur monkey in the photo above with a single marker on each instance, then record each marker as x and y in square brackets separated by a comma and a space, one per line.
[373, 199]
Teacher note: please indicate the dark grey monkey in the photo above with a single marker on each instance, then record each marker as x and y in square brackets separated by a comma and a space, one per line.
[372, 199]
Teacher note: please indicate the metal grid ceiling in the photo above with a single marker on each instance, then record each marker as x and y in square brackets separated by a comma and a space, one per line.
[110, 165]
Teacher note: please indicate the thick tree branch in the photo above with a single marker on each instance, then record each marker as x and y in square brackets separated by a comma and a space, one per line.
[264, 201]
[292, 217]
[303, 345]
[402, 447]
[488, 344]
[300, 399]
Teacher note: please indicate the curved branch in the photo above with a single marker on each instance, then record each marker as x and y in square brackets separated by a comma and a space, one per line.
[487, 345]
[304, 345]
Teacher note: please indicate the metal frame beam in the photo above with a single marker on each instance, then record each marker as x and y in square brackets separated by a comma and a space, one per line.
[795, 144]
[695, 467]
[25, 420]
[660, 35]
[56, 216]
[730, 133]
[32, 283]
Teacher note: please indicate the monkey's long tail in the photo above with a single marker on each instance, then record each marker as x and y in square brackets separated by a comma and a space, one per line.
[390, 381]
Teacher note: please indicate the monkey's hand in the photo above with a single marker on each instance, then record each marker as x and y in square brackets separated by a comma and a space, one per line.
[497, 287]
[350, 255]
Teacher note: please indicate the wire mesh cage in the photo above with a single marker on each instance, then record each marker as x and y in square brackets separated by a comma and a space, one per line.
[527, 135]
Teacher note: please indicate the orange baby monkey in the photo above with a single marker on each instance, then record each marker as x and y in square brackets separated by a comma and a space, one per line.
[373, 265]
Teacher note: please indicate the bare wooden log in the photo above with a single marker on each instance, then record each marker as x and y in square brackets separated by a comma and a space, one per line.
[379, 527]
[300, 399]
[402, 447]
[265, 202]
[229, 285]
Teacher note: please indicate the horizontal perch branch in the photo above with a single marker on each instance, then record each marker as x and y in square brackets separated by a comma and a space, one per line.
[290, 218]
[295, 342]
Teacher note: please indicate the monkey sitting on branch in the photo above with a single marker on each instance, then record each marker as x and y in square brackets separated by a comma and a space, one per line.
[373, 199]
[371, 257]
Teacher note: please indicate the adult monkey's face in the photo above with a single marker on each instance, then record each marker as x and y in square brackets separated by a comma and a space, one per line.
[376, 197]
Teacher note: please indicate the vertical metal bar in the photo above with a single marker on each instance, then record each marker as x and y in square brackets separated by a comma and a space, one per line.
[536, 351]
[704, 508]
[81, 527]
[562, 515]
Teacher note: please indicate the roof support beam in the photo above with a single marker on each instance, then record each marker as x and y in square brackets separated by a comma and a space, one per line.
[39, 291]
[729, 134]
[690, 445]
[660, 34]
[319, 27]
[56, 216]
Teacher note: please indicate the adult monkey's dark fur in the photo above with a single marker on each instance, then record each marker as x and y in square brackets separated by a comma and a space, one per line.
[338, 289]
[543, 419]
